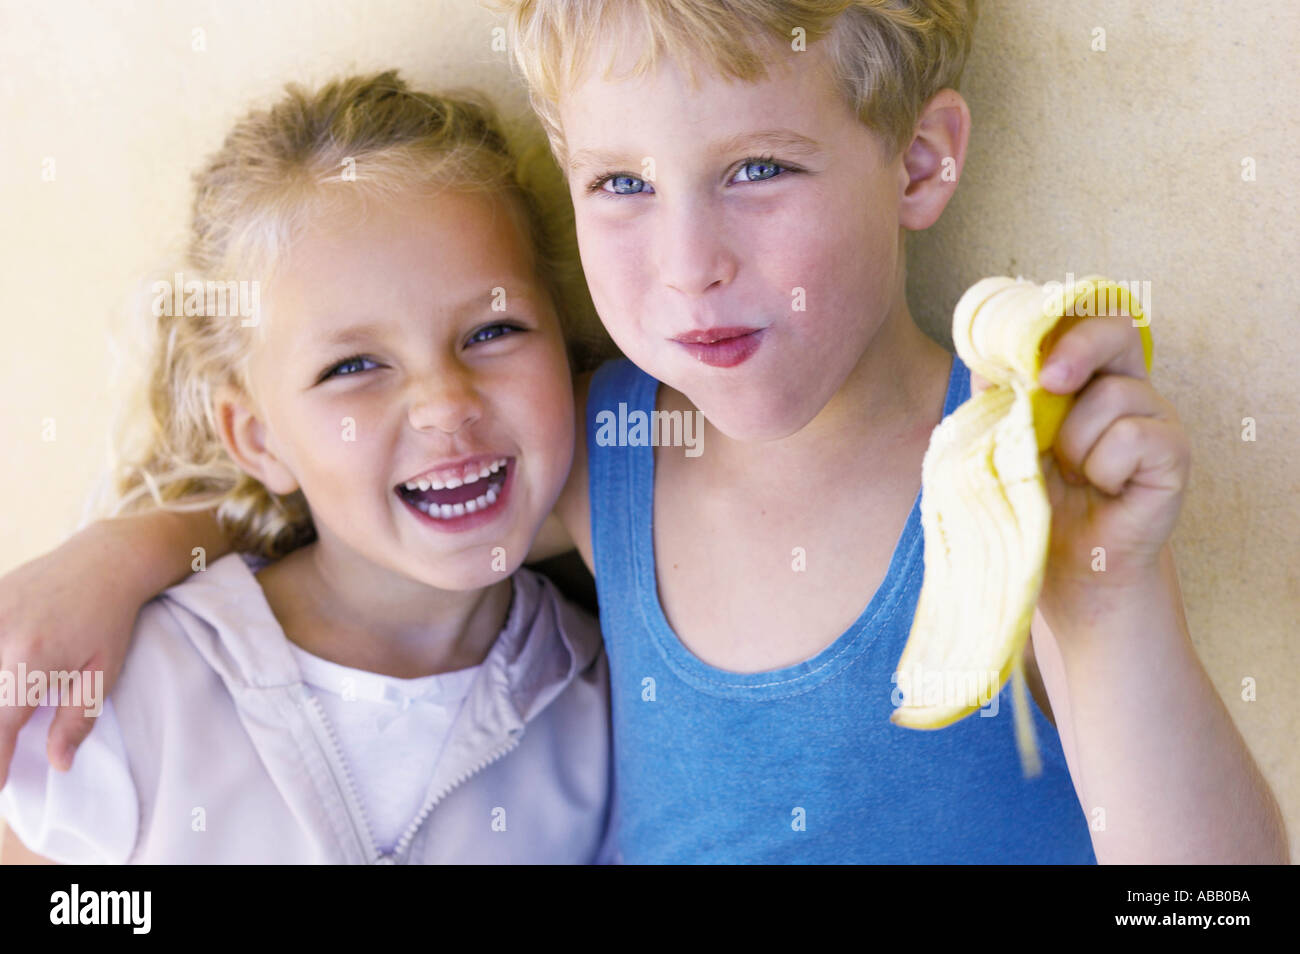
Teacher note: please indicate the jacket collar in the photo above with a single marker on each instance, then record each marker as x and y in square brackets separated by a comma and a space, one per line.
[542, 648]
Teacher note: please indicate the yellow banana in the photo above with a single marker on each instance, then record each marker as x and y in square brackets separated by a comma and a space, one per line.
[984, 507]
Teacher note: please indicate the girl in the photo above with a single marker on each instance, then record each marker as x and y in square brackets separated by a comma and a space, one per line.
[390, 428]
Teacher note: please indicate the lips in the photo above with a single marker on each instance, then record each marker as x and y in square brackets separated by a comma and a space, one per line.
[721, 347]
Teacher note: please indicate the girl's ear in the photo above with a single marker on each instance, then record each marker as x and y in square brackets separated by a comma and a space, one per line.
[244, 436]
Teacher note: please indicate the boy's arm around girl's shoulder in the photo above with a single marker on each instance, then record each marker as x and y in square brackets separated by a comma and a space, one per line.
[74, 608]
[98, 810]
[87, 815]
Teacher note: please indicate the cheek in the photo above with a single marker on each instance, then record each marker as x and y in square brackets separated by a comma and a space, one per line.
[614, 263]
[534, 406]
[549, 402]
[335, 444]
[845, 267]
[346, 422]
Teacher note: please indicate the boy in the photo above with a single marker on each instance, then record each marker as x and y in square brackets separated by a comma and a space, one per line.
[741, 201]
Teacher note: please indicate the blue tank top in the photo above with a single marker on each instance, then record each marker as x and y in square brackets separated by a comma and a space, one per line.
[799, 764]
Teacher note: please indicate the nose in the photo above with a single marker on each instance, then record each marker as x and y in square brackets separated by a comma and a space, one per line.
[693, 248]
[445, 401]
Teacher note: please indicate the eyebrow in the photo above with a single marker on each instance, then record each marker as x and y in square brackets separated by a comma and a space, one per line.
[767, 140]
[352, 334]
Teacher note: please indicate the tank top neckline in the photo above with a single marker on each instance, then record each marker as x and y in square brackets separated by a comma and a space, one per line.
[903, 574]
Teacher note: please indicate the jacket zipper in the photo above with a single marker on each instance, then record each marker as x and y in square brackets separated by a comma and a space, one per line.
[413, 830]
[339, 767]
[347, 787]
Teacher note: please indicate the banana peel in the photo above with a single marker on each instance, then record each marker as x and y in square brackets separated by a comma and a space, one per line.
[984, 507]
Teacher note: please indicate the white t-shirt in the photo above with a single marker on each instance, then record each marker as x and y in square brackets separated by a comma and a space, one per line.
[391, 732]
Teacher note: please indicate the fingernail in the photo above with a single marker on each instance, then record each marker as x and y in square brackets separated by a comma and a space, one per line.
[1054, 374]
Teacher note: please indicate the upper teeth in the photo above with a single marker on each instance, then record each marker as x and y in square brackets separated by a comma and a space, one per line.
[451, 483]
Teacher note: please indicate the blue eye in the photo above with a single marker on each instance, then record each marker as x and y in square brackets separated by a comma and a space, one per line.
[756, 170]
[623, 185]
[353, 362]
[751, 170]
[498, 330]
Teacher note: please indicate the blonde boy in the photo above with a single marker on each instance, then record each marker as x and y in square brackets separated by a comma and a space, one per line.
[743, 174]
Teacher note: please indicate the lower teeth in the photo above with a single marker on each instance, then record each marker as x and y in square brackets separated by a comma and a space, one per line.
[447, 511]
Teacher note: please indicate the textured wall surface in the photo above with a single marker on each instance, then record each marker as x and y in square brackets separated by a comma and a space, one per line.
[1133, 161]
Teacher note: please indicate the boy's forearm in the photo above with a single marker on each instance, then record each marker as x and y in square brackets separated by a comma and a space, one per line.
[1156, 749]
[159, 546]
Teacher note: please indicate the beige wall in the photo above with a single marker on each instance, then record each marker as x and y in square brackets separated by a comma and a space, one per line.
[1127, 162]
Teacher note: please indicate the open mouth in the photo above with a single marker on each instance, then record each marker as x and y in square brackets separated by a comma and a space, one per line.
[458, 497]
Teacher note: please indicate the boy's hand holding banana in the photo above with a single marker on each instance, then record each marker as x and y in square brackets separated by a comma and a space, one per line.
[1044, 489]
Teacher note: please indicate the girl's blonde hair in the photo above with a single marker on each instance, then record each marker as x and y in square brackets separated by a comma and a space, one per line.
[890, 56]
[356, 137]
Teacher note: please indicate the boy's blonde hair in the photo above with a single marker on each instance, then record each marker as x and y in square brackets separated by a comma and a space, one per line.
[890, 56]
[355, 138]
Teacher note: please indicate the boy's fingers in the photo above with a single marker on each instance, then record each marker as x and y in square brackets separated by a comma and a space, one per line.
[1106, 399]
[1142, 450]
[68, 730]
[12, 718]
[977, 383]
[71, 723]
[1105, 345]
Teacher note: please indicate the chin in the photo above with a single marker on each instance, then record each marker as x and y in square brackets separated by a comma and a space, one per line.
[452, 566]
[466, 578]
[748, 426]
[753, 415]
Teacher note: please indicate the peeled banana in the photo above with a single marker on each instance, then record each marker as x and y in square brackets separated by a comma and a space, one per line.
[984, 507]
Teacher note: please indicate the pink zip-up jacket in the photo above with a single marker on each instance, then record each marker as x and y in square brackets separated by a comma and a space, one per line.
[231, 760]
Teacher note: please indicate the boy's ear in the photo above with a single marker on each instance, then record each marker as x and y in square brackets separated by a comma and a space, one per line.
[932, 162]
[244, 436]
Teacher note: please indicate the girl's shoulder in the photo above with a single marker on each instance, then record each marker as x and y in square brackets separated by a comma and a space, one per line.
[215, 626]
[546, 628]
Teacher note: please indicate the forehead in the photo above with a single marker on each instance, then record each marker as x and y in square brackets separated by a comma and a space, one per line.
[610, 106]
[410, 253]
[441, 231]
